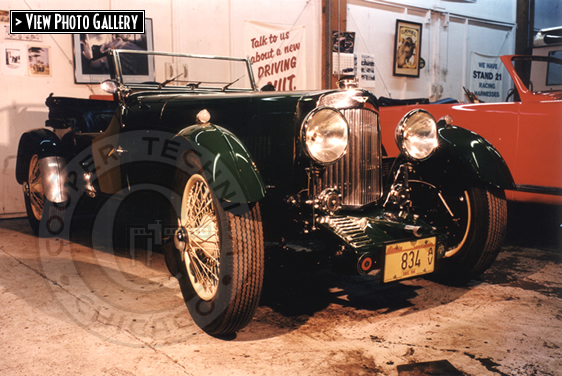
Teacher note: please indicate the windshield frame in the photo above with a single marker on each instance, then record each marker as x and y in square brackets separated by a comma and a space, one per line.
[117, 72]
[525, 93]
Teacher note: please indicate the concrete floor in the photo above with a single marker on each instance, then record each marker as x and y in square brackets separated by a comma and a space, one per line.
[68, 309]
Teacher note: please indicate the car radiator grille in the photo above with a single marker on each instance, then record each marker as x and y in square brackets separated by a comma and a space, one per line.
[357, 176]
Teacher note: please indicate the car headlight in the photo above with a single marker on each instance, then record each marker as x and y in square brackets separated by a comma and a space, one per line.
[416, 134]
[324, 134]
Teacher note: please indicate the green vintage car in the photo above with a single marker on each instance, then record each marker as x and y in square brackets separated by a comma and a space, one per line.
[233, 168]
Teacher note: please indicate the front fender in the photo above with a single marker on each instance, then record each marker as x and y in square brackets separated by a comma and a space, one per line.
[227, 164]
[464, 155]
[42, 142]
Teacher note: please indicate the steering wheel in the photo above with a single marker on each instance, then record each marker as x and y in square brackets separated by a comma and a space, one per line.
[511, 93]
[470, 96]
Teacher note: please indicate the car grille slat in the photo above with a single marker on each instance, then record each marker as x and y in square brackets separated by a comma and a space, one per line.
[357, 174]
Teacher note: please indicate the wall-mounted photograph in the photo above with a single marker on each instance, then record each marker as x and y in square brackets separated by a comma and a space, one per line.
[343, 41]
[407, 49]
[90, 56]
[14, 58]
[39, 60]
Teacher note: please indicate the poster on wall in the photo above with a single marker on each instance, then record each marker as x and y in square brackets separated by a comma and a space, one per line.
[21, 37]
[407, 49]
[344, 64]
[39, 62]
[13, 58]
[90, 59]
[278, 54]
[367, 70]
[5, 16]
[486, 77]
[343, 41]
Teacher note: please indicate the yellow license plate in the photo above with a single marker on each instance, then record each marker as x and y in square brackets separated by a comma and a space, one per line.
[409, 259]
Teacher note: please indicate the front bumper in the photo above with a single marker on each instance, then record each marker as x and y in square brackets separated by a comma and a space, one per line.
[370, 237]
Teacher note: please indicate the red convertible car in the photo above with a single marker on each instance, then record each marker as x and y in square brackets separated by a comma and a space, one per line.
[526, 129]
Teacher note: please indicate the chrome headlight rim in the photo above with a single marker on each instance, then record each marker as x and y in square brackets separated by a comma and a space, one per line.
[307, 126]
[412, 143]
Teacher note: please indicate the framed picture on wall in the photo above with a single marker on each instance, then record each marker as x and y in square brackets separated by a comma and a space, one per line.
[407, 49]
[343, 42]
[39, 63]
[90, 60]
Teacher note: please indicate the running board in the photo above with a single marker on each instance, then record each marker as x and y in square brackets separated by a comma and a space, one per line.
[538, 189]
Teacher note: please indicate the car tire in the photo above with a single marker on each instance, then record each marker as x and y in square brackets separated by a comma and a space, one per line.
[475, 231]
[45, 217]
[219, 264]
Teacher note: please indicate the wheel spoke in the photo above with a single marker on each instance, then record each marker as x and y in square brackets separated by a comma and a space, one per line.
[195, 210]
[205, 275]
[200, 245]
[199, 218]
[35, 182]
[196, 217]
[206, 267]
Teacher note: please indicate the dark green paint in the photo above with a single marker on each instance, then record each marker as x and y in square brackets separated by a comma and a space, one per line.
[381, 230]
[480, 158]
[228, 166]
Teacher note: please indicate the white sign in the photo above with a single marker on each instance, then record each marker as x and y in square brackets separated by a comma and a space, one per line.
[367, 70]
[486, 77]
[277, 53]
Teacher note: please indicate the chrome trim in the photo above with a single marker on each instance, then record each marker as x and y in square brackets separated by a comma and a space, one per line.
[53, 173]
[119, 73]
[305, 128]
[358, 174]
[538, 189]
[399, 133]
[330, 201]
[353, 98]
[348, 83]
[351, 229]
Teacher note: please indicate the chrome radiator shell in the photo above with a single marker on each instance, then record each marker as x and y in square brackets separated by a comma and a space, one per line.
[357, 176]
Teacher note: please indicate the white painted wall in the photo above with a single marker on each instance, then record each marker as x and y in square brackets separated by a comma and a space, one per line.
[451, 31]
[190, 26]
[22, 98]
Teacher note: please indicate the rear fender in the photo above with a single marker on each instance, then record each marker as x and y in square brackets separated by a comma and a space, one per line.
[42, 142]
[48, 148]
[227, 165]
[464, 156]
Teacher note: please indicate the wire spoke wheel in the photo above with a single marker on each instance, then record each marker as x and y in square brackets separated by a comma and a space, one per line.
[200, 219]
[35, 186]
[450, 212]
[217, 257]
[45, 217]
[475, 222]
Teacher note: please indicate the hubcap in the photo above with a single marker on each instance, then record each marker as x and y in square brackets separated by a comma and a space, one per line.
[180, 239]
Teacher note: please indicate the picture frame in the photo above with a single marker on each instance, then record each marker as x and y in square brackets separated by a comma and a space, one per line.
[343, 41]
[39, 61]
[14, 61]
[407, 49]
[90, 63]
